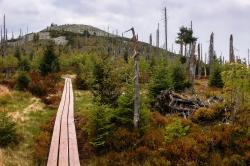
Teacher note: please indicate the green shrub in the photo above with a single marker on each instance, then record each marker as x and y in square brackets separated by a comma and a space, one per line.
[106, 84]
[18, 53]
[83, 78]
[50, 61]
[22, 81]
[100, 127]
[183, 59]
[124, 113]
[24, 65]
[8, 134]
[215, 79]
[160, 81]
[175, 130]
[105, 121]
[166, 77]
[178, 78]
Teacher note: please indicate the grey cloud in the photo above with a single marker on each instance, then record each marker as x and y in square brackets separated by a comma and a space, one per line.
[220, 16]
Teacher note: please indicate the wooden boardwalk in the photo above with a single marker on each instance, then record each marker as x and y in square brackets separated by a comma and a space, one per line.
[63, 147]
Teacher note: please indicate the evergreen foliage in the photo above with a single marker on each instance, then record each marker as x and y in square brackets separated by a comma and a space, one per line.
[106, 85]
[160, 80]
[18, 53]
[100, 127]
[22, 81]
[8, 133]
[175, 130]
[50, 61]
[178, 78]
[236, 78]
[215, 79]
[24, 64]
[167, 77]
[84, 68]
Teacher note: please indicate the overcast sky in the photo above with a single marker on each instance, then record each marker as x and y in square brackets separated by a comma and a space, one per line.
[223, 17]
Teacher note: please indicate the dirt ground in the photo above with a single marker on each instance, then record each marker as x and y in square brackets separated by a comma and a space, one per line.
[4, 91]
[1, 158]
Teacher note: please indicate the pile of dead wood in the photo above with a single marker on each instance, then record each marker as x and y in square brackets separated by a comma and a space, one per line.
[169, 102]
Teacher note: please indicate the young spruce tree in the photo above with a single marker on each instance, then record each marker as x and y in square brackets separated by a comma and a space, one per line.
[50, 62]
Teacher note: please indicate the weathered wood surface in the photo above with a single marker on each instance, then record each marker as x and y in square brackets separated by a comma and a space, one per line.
[63, 148]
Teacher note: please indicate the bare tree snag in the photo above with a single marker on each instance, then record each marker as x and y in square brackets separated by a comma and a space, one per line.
[205, 68]
[166, 28]
[211, 53]
[190, 44]
[199, 61]
[4, 38]
[231, 50]
[150, 39]
[248, 56]
[192, 64]
[158, 40]
[149, 50]
[136, 79]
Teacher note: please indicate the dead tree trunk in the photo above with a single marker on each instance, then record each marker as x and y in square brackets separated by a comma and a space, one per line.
[185, 49]
[1, 45]
[192, 64]
[202, 63]
[136, 119]
[149, 50]
[205, 68]
[211, 53]
[236, 104]
[150, 39]
[181, 49]
[199, 61]
[248, 58]
[158, 40]
[3, 49]
[231, 50]
[166, 29]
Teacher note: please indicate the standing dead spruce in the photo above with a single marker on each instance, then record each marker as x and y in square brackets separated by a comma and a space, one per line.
[136, 79]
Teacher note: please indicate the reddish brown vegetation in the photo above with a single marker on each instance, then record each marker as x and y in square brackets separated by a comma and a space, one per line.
[9, 83]
[42, 86]
[42, 142]
[84, 147]
[52, 100]
[222, 144]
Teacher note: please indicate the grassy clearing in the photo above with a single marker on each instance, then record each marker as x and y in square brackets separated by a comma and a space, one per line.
[204, 91]
[15, 101]
[83, 102]
[30, 114]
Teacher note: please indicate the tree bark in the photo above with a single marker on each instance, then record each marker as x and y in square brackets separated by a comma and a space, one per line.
[136, 119]
[192, 64]
[211, 53]
[166, 29]
[199, 61]
[137, 95]
[231, 50]
[181, 49]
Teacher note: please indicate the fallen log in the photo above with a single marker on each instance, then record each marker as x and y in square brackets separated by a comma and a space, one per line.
[170, 102]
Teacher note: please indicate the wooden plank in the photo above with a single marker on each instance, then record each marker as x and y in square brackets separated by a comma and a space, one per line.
[73, 148]
[64, 147]
[54, 146]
